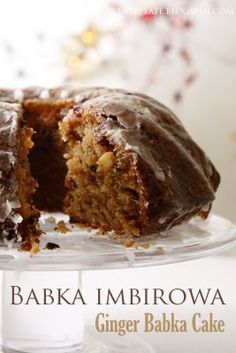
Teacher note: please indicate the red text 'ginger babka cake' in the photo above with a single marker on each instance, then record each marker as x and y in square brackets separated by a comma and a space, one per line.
[110, 159]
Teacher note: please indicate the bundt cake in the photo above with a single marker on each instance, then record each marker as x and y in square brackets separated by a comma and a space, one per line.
[111, 159]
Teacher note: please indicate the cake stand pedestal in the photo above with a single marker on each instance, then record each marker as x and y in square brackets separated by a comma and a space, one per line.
[34, 318]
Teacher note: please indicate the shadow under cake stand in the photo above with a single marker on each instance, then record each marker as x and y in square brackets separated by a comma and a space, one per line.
[40, 328]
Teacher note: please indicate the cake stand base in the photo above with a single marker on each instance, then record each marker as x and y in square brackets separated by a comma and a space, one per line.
[37, 319]
[116, 345]
[91, 345]
[33, 349]
[34, 320]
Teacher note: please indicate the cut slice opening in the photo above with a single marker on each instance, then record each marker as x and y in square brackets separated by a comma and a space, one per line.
[47, 164]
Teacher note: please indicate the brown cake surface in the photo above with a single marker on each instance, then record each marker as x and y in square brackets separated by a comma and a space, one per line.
[121, 160]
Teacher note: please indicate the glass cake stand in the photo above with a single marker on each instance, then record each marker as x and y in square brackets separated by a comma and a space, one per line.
[33, 325]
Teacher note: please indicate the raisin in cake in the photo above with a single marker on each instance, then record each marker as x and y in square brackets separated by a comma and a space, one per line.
[111, 159]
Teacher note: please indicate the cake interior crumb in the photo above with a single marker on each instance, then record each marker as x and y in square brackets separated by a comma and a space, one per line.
[50, 220]
[103, 190]
[35, 249]
[62, 228]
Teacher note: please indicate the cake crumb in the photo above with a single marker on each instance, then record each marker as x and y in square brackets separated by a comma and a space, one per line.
[50, 220]
[101, 232]
[144, 245]
[51, 246]
[129, 243]
[160, 250]
[35, 249]
[62, 228]
[83, 226]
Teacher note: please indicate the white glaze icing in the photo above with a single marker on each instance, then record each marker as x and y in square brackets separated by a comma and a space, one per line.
[64, 94]
[18, 94]
[162, 220]
[78, 98]
[138, 113]
[206, 208]
[10, 115]
[45, 94]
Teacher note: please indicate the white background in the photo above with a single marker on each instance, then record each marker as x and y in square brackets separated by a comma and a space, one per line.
[208, 112]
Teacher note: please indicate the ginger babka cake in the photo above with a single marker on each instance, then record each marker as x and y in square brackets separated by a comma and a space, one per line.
[110, 159]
